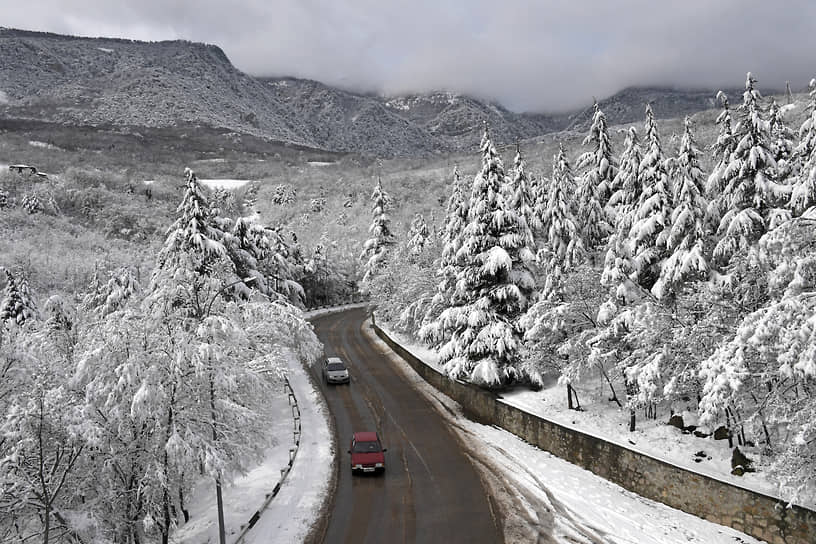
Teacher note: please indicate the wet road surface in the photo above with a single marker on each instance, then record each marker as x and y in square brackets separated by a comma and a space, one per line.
[430, 491]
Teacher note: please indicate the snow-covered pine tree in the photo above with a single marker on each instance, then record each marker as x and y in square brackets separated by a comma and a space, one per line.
[244, 251]
[456, 216]
[418, 235]
[376, 247]
[563, 248]
[494, 286]
[685, 243]
[618, 260]
[593, 222]
[652, 215]
[192, 240]
[102, 300]
[278, 267]
[627, 181]
[803, 195]
[781, 142]
[598, 165]
[721, 151]
[750, 191]
[17, 306]
[520, 195]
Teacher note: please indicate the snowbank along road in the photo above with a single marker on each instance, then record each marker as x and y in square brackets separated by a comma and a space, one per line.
[430, 491]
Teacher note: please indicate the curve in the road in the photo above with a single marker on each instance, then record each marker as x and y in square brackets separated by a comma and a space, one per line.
[430, 491]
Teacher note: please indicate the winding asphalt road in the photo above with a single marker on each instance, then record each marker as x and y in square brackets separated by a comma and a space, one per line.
[430, 491]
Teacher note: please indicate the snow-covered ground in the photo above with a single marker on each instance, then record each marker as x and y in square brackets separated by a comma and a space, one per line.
[247, 493]
[225, 183]
[603, 418]
[544, 494]
[228, 184]
[334, 309]
[652, 437]
[44, 145]
[291, 514]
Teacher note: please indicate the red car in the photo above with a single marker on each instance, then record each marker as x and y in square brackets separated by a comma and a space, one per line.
[367, 453]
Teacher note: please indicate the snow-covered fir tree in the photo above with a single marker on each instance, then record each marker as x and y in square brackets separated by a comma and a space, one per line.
[375, 248]
[803, 195]
[242, 245]
[618, 264]
[651, 219]
[627, 180]
[521, 196]
[17, 306]
[193, 241]
[721, 151]
[456, 217]
[494, 285]
[750, 193]
[781, 142]
[598, 166]
[418, 235]
[685, 242]
[562, 247]
[278, 266]
[540, 186]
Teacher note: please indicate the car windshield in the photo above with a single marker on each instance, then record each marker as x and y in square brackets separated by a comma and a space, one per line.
[367, 447]
[336, 366]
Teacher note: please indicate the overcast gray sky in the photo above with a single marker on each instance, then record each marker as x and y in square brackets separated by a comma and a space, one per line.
[529, 55]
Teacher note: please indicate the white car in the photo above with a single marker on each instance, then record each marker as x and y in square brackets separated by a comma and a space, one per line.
[335, 370]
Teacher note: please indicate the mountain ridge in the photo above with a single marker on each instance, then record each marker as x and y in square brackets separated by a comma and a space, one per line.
[116, 81]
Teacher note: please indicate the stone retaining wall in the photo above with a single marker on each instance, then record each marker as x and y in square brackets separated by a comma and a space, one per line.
[758, 515]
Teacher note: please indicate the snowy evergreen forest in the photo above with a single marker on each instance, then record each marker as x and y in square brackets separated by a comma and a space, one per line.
[671, 282]
[669, 279]
[115, 406]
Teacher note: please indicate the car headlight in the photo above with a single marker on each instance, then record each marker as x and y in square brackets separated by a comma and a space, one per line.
[358, 466]
[378, 465]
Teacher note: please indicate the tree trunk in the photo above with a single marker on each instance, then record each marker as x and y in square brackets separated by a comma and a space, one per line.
[184, 510]
[46, 524]
[572, 393]
[611, 387]
[632, 420]
[222, 537]
[166, 527]
[166, 467]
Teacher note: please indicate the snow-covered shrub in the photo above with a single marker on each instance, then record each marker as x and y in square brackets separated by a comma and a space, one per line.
[317, 205]
[31, 203]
